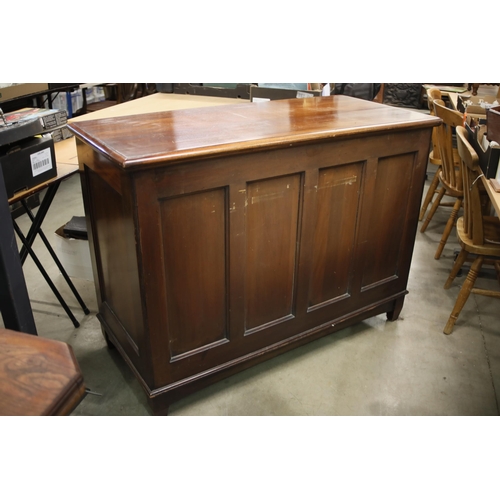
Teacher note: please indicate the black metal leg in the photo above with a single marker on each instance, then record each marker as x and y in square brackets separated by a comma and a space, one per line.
[40, 216]
[45, 275]
[15, 304]
[54, 256]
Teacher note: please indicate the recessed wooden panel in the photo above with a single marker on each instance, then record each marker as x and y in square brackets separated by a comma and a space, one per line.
[117, 261]
[336, 215]
[387, 218]
[272, 213]
[194, 244]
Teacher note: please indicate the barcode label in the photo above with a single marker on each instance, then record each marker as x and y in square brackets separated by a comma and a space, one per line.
[41, 162]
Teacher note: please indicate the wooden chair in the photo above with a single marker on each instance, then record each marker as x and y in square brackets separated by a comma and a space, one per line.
[434, 93]
[434, 156]
[449, 175]
[478, 234]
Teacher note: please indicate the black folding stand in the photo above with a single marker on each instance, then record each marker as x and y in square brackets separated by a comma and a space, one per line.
[27, 241]
[63, 172]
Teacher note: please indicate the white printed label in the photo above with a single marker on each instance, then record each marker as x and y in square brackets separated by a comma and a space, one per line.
[41, 162]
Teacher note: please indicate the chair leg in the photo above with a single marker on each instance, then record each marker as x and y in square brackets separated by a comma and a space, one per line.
[459, 262]
[430, 194]
[464, 293]
[449, 226]
[433, 209]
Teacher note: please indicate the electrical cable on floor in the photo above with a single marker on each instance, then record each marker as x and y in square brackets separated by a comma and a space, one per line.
[88, 391]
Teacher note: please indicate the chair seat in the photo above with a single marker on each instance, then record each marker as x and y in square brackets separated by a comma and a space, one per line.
[491, 247]
[433, 160]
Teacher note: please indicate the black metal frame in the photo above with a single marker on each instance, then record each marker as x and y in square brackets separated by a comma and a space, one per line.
[27, 241]
[14, 300]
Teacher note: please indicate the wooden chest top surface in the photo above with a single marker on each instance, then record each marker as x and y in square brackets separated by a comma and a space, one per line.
[151, 139]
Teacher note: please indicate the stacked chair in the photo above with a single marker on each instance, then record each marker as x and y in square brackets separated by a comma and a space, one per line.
[449, 177]
[478, 233]
[434, 156]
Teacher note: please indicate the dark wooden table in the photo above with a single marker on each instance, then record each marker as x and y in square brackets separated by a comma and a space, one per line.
[223, 236]
[38, 376]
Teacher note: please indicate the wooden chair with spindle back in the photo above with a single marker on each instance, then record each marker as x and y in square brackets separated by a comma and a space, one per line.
[477, 232]
[432, 94]
[434, 156]
[450, 177]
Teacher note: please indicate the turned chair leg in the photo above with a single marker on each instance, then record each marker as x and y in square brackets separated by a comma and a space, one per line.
[459, 262]
[430, 193]
[464, 293]
[433, 209]
[449, 226]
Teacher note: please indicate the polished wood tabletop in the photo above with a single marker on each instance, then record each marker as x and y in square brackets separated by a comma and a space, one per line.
[154, 103]
[151, 139]
[38, 376]
[494, 196]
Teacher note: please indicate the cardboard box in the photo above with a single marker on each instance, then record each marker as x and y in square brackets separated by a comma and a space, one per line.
[21, 89]
[49, 118]
[74, 255]
[56, 135]
[493, 123]
[28, 163]
[22, 124]
[61, 134]
[472, 104]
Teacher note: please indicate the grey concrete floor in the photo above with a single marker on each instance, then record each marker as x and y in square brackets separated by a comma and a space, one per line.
[407, 367]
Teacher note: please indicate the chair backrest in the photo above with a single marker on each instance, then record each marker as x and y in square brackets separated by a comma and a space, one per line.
[471, 171]
[434, 93]
[450, 120]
